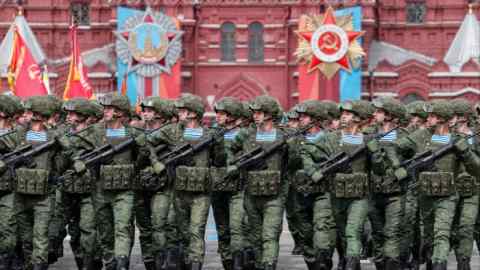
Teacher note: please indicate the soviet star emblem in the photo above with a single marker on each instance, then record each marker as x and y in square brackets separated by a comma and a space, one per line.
[149, 43]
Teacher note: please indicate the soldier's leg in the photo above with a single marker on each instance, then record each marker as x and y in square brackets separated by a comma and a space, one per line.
[8, 229]
[356, 217]
[323, 221]
[42, 211]
[123, 215]
[220, 207]
[173, 234]
[160, 206]
[24, 217]
[71, 206]
[182, 212]
[293, 220]
[467, 215]
[427, 214]
[253, 224]
[377, 216]
[393, 222]
[409, 226]
[444, 212]
[88, 231]
[198, 221]
[105, 226]
[339, 207]
[272, 222]
[236, 216]
[143, 220]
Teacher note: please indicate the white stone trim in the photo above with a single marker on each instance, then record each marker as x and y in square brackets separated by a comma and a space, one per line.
[186, 74]
[242, 60]
[470, 74]
[214, 60]
[454, 93]
[213, 46]
[381, 74]
[99, 75]
[210, 25]
[269, 60]
[51, 75]
[380, 94]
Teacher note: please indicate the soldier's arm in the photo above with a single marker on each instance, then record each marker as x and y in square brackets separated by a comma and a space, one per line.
[235, 147]
[155, 140]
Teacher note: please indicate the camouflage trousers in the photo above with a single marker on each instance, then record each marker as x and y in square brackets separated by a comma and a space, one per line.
[265, 216]
[164, 232]
[296, 218]
[464, 226]
[411, 228]
[350, 216]
[386, 217]
[33, 216]
[192, 213]
[8, 223]
[228, 211]
[56, 229]
[438, 213]
[81, 220]
[115, 222]
[143, 220]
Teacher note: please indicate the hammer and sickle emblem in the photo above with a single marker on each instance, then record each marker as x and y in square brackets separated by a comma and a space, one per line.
[330, 42]
[34, 72]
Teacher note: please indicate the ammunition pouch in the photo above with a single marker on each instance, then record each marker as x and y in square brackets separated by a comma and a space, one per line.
[32, 181]
[378, 185]
[149, 181]
[351, 186]
[437, 184]
[194, 179]
[466, 185]
[78, 183]
[303, 183]
[263, 183]
[6, 181]
[117, 177]
[220, 184]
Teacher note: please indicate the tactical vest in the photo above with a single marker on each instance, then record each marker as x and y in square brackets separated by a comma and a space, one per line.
[218, 170]
[439, 181]
[467, 185]
[267, 180]
[119, 174]
[353, 183]
[83, 183]
[302, 182]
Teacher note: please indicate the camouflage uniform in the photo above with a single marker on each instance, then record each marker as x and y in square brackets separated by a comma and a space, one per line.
[438, 196]
[192, 198]
[266, 188]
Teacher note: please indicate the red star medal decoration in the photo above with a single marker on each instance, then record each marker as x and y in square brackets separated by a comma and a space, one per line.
[328, 43]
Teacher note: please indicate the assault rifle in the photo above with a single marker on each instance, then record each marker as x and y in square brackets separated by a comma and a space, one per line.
[8, 133]
[23, 155]
[339, 161]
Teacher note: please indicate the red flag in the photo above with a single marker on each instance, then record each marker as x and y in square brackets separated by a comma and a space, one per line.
[77, 83]
[26, 76]
[124, 85]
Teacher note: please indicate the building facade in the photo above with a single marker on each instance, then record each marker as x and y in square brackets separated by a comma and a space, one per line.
[244, 48]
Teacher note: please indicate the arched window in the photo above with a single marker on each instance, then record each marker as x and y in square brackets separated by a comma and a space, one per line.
[255, 42]
[228, 41]
[411, 98]
[80, 11]
[416, 11]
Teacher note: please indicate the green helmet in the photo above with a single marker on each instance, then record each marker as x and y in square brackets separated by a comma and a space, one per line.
[313, 108]
[391, 106]
[266, 104]
[416, 108]
[56, 102]
[332, 109]
[462, 107]
[43, 105]
[246, 112]
[78, 105]
[441, 108]
[7, 106]
[192, 103]
[97, 109]
[359, 107]
[163, 107]
[149, 102]
[292, 114]
[16, 104]
[119, 102]
[229, 105]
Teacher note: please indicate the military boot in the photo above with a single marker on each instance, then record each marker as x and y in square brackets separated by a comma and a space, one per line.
[342, 263]
[122, 263]
[160, 262]
[392, 264]
[227, 264]
[352, 263]
[439, 266]
[79, 262]
[324, 260]
[237, 262]
[429, 265]
[97, 264]
[111, 265]
[149, 265]
[297, 249]
[248, 259]
[172, 259]
[270, 266]
[5, 261]
[312, 265]
[379, 264]
[463, 264]
[40, 266]
[196, 266]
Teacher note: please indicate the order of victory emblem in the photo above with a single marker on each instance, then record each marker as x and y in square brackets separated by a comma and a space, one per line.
[149, 43]
[328, 43]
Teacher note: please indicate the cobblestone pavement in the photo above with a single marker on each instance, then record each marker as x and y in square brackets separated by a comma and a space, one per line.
[212, 260]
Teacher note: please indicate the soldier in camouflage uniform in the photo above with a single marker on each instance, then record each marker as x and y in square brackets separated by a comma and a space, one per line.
[8, 223]
[438, 196]
[114, 195]
[266, 188]
[77, 190]
[350, 188]
[316, 200]
[386, 195]
[33, 182]
[467, 188]
[192, 198]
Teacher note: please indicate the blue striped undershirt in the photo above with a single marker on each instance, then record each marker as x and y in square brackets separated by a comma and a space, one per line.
[192, 133]
[352, 139]
[4, 131]
[116, 132]
[36, 136]
[268, 136]
[229, 136]
[389, 137]
[444, 139]
[312, 137]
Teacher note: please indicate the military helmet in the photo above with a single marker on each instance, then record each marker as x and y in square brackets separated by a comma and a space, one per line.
[56, 102]
[266, 104]
[97, 109]
[416, 108]
[192, 103]
[391, 106]
[332, 109]
[78, 105]
[246, 112]
[119, 102]
[441, 108]
[149, 102]
[16, 104]
[313, 108]
[43, 105]
[165, 108]
[292, 114]
[462, 107]
[7, 106]
[359, 107]
[229, 105]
